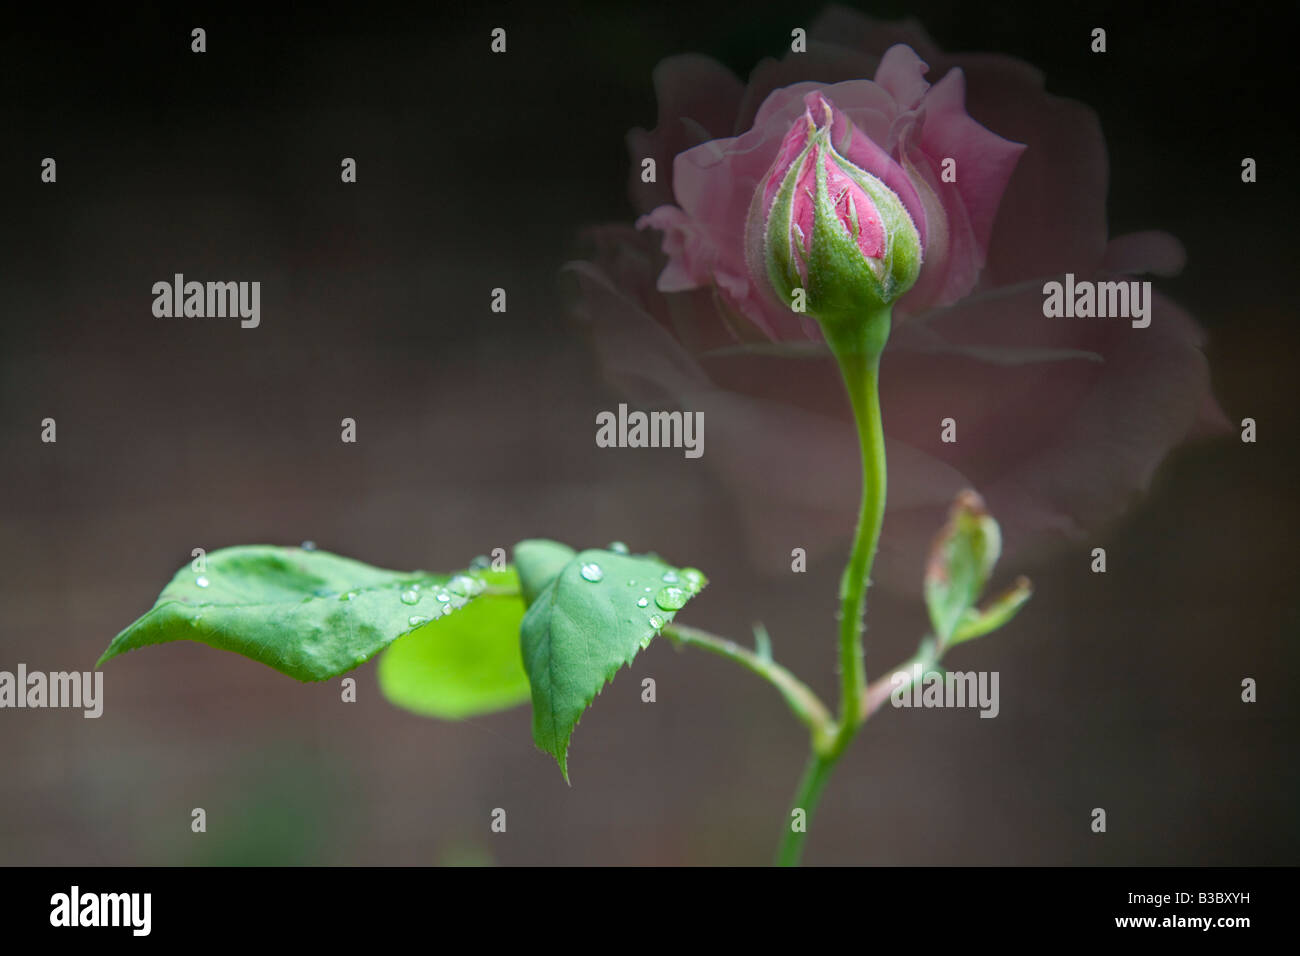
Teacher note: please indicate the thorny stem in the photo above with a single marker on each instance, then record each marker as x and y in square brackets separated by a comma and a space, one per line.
[857, 347]
[814, 780]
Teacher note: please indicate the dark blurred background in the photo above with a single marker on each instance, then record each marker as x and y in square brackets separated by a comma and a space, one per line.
[476, 430]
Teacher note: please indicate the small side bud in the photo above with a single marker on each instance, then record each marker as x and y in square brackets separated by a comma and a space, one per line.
[961, 560]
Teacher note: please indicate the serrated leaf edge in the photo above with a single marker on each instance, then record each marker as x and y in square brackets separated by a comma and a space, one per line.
[457, 603]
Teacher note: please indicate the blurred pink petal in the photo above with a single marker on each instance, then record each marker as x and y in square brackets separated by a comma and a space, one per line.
[698, 99]
[1155, 253]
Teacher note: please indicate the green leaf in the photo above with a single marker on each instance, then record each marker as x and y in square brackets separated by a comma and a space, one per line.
[960, 563]
[977, 623]
[462, 664]
[589, 620]
[539, 561]
[309, 614]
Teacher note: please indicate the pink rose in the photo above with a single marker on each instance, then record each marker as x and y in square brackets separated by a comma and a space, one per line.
[781, 231]
[898, 128]
[1059, 421]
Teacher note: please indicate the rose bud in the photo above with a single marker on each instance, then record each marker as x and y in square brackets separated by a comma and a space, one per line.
[822, 225]
[960, 565]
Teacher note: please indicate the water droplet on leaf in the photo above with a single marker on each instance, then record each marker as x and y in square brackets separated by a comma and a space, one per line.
[671, 598]
[618, 547]
[592, 573]
[656, 621]
[463, 586]
[410, 596]
[202, 581]
[643, 602]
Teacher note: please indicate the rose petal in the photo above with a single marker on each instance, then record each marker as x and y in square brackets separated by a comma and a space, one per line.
[902, 73]
[1156, 253]
[698, 99]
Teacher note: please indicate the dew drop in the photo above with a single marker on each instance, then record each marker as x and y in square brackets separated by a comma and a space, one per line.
[618, 547]
[643, 602]
[670, 577]
[415, 620]
[645, 642]
[443, 596]
[461, 585]
[592, 573]
[693, 579]
[202, 581]
[410, 596]
[308, 545]
[671, 598]
[656, 621]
